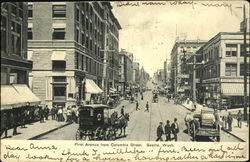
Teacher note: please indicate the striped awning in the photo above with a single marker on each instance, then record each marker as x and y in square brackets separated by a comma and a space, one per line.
[233, 89]
[91, 87]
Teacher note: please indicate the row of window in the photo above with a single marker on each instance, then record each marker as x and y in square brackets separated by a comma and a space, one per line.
[85, 63]
[15, 46]
[16, 8]
[231, 51]
[231, 69]
[58, 11]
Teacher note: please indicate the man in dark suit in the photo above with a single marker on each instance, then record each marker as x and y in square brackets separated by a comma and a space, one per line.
[168, 131]
[159, 132]
[175, 128]
[4, 126]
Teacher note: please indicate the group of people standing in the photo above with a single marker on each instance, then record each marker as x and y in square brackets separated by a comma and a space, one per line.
[227, 120]
[168, 130]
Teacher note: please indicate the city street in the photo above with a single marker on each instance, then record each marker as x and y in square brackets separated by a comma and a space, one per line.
[142, 125]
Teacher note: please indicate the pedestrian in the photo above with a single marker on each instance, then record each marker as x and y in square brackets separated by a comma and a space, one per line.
[175, 128]
[41, 114]
[23, 118]
[137, 106]
[239, 117]
[69, 114]
[147, 107]
[56, 112]
[168, 97]
[159, 132]
[142, 97]
[168, 131]
[4, 126]
[53, 112]
[15, 122]
[46, 112]
[230, 121]
[60, 115]
[122, 111]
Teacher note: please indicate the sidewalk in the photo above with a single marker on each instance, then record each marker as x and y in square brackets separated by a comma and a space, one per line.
[240, 133]
[34, 130]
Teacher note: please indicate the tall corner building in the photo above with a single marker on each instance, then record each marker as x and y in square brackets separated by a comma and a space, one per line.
[68, 44]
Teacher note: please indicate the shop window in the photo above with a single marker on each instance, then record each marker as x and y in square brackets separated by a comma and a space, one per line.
[242, 71]
[30, 11]
[231, 50]
[58, 34]
[59, 11]
[58, 65]
[30, 34]
[231, 69]
[16, 34]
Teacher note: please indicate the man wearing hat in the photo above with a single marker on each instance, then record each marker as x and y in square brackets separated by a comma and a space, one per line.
[160, 132]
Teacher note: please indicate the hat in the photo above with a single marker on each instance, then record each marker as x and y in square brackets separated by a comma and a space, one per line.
[161, 123]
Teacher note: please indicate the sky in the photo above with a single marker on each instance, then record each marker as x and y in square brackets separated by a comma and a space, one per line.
[149, 31]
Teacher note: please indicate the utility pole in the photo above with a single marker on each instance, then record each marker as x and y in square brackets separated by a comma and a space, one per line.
[194, 77]
[245, 63]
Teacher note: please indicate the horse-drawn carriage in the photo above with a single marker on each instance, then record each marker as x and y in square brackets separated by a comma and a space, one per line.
[203, 124]
[155, 97]
[97, 122]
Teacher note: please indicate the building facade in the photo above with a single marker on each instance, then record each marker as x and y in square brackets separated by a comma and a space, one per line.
[223, 72]
[16, 96]
[68, 52]
[136, 72]
[182, 50]
[167, 74]
[126, 70]
[14, 64]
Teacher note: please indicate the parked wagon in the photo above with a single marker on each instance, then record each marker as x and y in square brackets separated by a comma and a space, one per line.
[205, 124]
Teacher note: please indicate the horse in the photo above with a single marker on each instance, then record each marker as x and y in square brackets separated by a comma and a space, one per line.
[120, 123]
[188, 119]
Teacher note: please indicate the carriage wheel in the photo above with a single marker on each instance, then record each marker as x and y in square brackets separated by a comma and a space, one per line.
[80, 135]
[98, 133]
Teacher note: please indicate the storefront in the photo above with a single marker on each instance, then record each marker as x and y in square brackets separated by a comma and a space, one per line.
[92, 92]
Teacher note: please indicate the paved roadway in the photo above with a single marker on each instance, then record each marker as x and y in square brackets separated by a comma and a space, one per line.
[142, 125]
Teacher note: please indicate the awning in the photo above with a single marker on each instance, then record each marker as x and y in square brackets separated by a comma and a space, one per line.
[58, 55]
[91, 87]
[10, 98]
[233, 89]
[29, 96]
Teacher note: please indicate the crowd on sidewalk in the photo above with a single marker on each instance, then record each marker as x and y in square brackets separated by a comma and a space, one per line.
[39, 113]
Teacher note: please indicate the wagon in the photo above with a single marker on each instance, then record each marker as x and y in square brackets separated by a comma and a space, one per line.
[205, 124]
[155, 97]
[95, 123]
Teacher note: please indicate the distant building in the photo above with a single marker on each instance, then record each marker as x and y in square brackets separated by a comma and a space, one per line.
[126, 70]
[182, 49]
[136, 73]
[223, 71]
[167, 73]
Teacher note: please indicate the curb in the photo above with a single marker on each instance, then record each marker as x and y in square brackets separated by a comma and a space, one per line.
[234, 135]
[221, 129]
[47, 132]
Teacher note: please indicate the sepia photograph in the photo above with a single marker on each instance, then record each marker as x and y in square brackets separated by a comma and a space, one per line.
[138, 71]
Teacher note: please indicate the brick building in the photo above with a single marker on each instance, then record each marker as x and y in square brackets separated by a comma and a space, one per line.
[15, 67]
[223, 72]
[66, 43]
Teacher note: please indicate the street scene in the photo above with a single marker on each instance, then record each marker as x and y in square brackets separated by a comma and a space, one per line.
[125, 71]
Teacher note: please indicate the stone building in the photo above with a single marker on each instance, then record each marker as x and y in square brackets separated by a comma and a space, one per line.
[67, 43]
